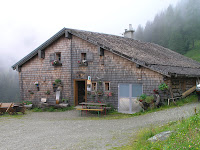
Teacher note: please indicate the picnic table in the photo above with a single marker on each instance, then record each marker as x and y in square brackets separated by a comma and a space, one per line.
[11, 108]
[6, 107]
[99, 107]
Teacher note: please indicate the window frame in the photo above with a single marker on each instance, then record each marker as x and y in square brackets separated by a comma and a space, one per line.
[93, 90]
[107, 82]
[58, 56]
[83, 56]
[55, 57]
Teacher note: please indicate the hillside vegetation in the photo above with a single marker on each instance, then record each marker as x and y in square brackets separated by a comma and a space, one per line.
[186, 135]
[195, 52]
[176, 28]
[9, 86]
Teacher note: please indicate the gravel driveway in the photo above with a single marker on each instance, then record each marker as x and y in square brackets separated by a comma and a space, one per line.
[67, 130]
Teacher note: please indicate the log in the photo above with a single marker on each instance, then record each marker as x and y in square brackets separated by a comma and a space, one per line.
[188, 92]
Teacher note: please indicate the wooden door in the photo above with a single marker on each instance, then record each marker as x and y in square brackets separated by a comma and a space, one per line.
[75, 92]
[76, 86]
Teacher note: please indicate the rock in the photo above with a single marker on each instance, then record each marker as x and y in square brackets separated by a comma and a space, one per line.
[161, 136]
[64, 105]
[28, 106]
[136, 106]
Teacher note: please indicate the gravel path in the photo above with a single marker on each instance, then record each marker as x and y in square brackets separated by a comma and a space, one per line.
[66, 130]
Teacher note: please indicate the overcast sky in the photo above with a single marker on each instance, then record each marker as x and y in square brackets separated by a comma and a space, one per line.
[25, 24]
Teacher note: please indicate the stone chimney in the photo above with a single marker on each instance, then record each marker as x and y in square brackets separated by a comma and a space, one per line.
[129, 33]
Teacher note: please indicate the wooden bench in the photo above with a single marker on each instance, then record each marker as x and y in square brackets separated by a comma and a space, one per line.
[97, 107]
[87, 109]
[19, 108]
[173, 100]
[6, 107]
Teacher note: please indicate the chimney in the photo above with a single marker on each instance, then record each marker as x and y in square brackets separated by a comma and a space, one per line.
[129, 33]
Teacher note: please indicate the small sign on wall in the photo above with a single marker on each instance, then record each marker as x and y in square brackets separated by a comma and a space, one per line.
[89, 80]
[89, 83]
[88, 87]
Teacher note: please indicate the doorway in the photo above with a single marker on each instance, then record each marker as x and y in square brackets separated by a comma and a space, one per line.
[127, 97]
[80, 91]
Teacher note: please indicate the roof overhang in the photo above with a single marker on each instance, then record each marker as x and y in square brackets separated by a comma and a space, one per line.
[68, 34]
[183, 75]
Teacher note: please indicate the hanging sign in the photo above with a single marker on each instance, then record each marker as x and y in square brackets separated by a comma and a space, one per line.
[89, 80]
[88, 87]
[89, 83]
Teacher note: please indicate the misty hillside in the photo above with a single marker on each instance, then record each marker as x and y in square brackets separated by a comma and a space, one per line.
[195, 52]
[9, 83]
[176, 28]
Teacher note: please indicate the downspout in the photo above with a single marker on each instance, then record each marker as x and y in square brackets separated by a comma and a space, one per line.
[21, 87]
[71, 72]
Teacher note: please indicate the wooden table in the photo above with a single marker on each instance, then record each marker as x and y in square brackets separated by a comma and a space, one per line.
[87, 108]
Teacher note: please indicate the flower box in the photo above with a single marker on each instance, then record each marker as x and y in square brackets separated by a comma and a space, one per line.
[36, 83]
[83, 63]
[56, 63]
[99, 94]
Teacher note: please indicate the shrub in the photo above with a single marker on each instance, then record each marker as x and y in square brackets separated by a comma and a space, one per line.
[142, 97]
[47, 92]
[26, 102]
[149, 99]
[66, 100]
[163, 86]
[57, 81]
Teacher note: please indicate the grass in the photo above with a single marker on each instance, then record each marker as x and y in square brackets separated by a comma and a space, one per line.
[116, 115]
[51, 109]
[195, 52]
[186, 135]
[6, 115]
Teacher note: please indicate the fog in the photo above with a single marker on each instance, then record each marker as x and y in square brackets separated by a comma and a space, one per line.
[27, 24]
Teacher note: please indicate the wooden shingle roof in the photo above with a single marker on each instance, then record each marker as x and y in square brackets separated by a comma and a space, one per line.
[152, 56]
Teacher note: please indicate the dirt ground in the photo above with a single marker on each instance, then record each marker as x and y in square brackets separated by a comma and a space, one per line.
[68, 131]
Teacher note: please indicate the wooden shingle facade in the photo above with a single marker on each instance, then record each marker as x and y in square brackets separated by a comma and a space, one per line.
[109, 61]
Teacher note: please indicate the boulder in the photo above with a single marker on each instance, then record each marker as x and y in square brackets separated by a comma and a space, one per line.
[161, 136]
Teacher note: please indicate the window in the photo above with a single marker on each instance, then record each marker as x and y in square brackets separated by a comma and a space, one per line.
[58, 56]
[124, 90]
[55, 59]
[83, 56]
[55, 56]
[136, 90]
[107, 86]
[94, 86]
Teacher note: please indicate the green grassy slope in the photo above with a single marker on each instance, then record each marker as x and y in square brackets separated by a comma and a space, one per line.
[195, 52]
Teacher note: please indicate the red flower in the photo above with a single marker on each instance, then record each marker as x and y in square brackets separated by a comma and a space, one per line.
[110, 94]
[155, 91]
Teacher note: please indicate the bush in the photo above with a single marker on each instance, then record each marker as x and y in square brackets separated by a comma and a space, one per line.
[163, 86]
[142, 97]
[149, 99]
[26, 102]
[51, 109]
[111, 109]
[57, 81]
